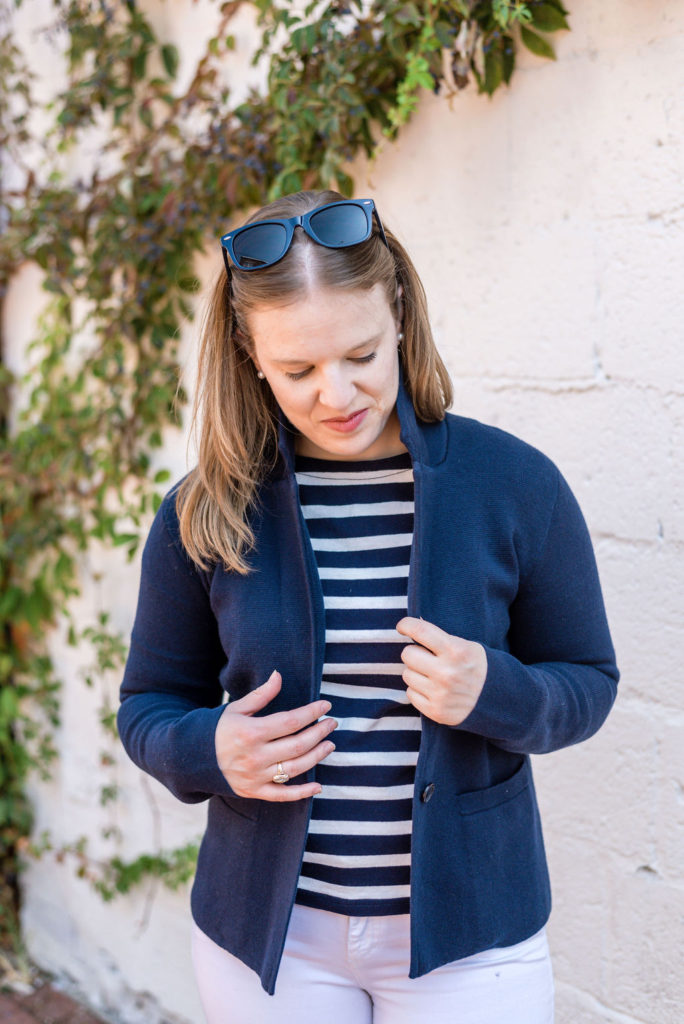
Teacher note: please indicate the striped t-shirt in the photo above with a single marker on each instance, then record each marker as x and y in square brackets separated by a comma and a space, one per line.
[358, 852]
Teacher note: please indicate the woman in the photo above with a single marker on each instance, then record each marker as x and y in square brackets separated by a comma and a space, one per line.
[403, 605]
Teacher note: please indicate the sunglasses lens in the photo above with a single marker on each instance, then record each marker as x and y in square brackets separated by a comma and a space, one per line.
[340, 225]
[259, 245]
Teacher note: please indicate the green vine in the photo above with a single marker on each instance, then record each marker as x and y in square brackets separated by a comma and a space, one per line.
[115, 236]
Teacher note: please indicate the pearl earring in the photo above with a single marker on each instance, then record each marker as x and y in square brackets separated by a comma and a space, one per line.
[260, 375]
[400, 337]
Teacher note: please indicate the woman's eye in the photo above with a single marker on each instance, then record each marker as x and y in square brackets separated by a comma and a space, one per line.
[356, 359]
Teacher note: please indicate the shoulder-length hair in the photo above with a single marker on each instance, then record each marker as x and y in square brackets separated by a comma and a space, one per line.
[235, 413]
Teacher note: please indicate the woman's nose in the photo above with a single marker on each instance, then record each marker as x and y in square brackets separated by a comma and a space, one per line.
[336, 390]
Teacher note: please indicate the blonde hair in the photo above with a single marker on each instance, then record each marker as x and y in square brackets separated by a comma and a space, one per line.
[238, 437]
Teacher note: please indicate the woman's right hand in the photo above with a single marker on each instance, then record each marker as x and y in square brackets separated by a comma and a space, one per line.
[249, 749]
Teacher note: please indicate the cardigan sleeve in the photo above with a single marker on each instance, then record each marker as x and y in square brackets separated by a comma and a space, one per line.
[558, 680]
[171, 697]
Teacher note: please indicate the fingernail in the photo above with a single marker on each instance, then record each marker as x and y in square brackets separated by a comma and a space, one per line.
[326, 707]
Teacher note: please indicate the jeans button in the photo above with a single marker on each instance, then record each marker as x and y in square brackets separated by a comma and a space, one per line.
[427, 792]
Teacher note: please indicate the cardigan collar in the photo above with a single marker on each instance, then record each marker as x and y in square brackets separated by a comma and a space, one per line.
[426, 442]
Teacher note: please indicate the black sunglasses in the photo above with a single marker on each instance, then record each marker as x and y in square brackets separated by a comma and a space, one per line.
[334, 225]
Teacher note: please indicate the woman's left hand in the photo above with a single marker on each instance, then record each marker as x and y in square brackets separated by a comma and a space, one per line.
[444, 674]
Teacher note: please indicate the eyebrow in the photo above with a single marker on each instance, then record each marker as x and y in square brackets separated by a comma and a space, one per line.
[303, 362]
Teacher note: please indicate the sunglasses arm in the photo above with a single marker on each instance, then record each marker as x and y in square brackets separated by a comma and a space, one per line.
[224, 253]
[380, 227]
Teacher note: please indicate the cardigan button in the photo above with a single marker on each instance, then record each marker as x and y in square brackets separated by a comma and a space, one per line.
[427, 792]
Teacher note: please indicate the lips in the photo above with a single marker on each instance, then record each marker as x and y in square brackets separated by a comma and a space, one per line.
[345, 424]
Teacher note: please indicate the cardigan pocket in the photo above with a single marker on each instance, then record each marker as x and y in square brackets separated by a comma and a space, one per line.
[491, 797]
[507, 891]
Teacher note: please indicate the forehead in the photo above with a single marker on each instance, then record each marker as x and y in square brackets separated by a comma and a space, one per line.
[331, 317]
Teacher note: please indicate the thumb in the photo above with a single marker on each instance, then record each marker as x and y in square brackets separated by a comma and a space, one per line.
[259, 698]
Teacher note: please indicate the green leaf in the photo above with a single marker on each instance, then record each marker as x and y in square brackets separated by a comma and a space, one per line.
[189, 283]
[408, 15]
[145, 115]
[540, 47]
[494, 69]
[125, 538]
[140, 64]
[559, 6]
[445, 33]
[425, 79]
[508, 58]
[345, 184]
[170, 59]
[304, 39]
[10, 601]
[548, 18]
[9, 703]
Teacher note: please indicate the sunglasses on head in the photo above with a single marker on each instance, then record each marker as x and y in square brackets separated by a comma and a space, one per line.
[334, 225]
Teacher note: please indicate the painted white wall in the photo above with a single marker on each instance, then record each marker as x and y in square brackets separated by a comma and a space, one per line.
[547, 224]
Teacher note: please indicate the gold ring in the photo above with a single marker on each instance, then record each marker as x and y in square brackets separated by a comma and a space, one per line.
[280, 775]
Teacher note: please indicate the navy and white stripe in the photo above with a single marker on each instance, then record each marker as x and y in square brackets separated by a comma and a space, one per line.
[360, 521]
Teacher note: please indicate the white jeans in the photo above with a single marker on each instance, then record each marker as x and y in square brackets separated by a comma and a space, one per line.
[354, 970]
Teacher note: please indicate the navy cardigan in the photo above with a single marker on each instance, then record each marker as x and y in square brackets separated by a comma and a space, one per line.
[501, 555]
